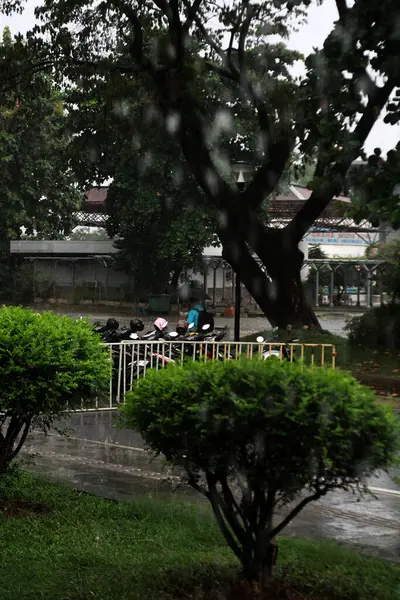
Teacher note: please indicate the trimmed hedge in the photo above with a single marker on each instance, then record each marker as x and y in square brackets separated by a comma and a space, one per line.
[48, 364]
[268, 431]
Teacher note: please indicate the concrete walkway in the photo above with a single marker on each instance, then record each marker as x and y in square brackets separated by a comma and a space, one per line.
[112, 463]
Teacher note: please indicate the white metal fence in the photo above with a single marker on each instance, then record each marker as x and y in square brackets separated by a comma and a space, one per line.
[131, 360]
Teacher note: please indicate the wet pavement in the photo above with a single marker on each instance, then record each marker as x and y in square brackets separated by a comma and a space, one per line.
[112, 463]
[333, 322]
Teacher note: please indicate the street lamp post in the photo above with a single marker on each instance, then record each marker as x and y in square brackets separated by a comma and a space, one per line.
[240, 182]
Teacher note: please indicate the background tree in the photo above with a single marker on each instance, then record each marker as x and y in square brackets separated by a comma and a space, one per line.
[344, 276]
[38, 191]
[376, 187]
[255, 435]
[88, 233]
[390, 253]
[157, 211]
[157, 215]
[336, 106]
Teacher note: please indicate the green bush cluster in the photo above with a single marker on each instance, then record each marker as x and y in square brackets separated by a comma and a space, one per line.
[377, 328]
[390, 253]
[48, 364]
[268, 431]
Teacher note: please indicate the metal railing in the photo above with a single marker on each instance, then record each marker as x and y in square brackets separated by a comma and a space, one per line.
[131, 360]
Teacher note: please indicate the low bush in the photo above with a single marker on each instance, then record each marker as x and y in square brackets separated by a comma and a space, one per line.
[377, 328]
[254, 435]
[390, 271]
[48, 364]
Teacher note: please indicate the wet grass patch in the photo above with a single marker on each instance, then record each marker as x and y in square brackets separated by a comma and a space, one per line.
[85, 547]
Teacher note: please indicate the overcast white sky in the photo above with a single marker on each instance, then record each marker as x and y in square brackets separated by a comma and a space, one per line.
[319, 24]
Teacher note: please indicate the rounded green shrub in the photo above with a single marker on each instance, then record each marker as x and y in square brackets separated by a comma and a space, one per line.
[377, 328]
[252, 435]
[48, 364]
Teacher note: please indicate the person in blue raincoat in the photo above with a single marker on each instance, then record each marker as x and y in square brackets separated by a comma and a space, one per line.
[193, 316]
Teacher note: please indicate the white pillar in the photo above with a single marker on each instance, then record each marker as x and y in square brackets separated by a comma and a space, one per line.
[332, 286]
[303, 246]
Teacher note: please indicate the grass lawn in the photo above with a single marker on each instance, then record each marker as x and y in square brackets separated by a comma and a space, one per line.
[379, 369]
[65, 545]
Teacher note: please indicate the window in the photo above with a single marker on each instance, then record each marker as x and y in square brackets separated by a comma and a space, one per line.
[228, 275]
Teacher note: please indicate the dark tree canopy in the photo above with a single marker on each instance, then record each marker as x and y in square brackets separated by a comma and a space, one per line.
[157, 212]
[376, 188]
[177, 45]
[38, 189]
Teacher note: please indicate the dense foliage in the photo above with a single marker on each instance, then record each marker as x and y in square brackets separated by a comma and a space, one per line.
[38, 191]
[378, 328]
[156, 211]
[390, 253]
[376, 187]
[255, 435]
[49, 364]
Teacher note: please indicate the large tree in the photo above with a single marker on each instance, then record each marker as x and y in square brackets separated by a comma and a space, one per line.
[158, 212]
[158, 216]
[336, 105]
[38, 193]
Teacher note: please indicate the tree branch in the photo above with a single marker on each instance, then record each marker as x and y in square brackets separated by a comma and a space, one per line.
[192, 481]
[22, 440]
[217, 49]
[214, 499]
[267, 509]
[277, 530]
[99, 66]
[276, 155]
[191, 12]
[323, 195]
[342, 8]
[236, 253]
[229, 497]
[268, 175]
[224, 73]
[136, 48]
[227, 505]
[244, 30]
[199, 160]
[27, 70]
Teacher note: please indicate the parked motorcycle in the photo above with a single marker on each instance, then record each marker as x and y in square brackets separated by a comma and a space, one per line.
[130, 361]
[209, 351]
[284, 352]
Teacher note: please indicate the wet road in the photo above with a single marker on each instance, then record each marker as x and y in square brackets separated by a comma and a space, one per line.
[112, 463]
[334, 323]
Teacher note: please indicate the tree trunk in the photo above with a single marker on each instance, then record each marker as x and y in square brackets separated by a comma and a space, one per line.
[175, 279]
[258, 568]
[253, 277]
[8, 442]
[274, 280]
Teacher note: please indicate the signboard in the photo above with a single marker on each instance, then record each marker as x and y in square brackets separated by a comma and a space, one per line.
[341, 238]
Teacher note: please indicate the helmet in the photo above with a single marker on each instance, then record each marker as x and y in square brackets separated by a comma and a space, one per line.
[136, 325]
[181, 327]
[112, 324]
[160, 324]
